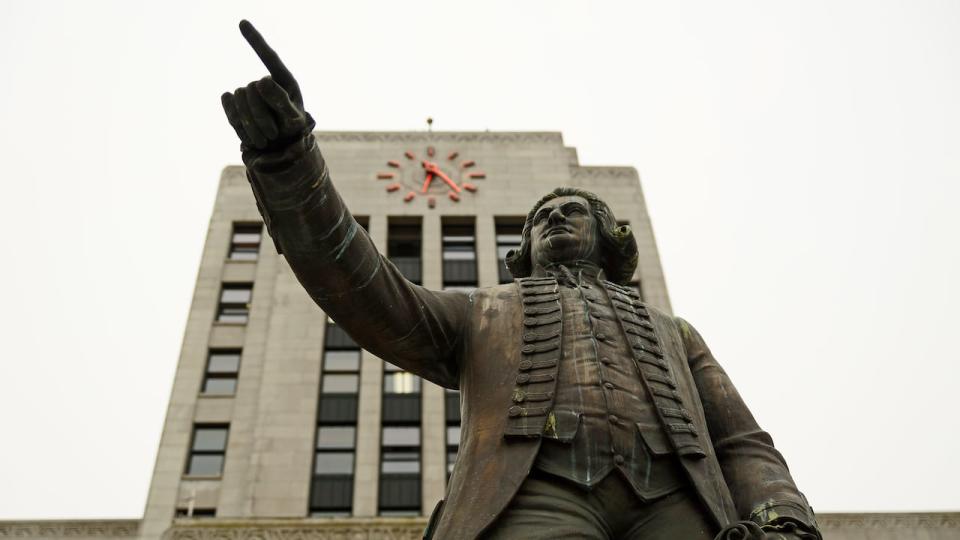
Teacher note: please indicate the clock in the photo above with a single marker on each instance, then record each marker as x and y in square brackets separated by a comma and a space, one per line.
[431, 175]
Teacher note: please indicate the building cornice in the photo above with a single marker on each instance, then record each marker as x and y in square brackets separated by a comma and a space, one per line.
[889, 520]
[379, 528]
[441, 136]
[580, 171]
[72, 528]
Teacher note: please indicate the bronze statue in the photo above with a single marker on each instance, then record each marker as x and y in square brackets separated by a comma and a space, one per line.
[586, 413]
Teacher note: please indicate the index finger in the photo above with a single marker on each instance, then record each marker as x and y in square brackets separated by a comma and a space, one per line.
[269, 57]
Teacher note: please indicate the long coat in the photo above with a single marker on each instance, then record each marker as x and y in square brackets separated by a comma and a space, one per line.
[475, 343]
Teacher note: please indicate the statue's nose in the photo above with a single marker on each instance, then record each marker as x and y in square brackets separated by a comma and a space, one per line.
[556, 216]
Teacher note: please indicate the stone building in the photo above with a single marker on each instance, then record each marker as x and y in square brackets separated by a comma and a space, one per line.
[275, 412]
[279, 426]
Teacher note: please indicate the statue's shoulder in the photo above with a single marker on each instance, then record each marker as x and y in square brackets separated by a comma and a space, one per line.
[628, 293]
[484, 295]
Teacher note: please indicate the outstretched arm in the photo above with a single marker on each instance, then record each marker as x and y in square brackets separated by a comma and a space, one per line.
[763, 490]
[331, 255]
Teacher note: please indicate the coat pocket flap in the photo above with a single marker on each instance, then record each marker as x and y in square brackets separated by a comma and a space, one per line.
[562, 425]
[654, 438]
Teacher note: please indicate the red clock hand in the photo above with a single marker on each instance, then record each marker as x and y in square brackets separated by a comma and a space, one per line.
[453, 185]
[426, 183]
[433, 168]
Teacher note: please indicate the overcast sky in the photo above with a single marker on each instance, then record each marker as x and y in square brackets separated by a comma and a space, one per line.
[800, 162]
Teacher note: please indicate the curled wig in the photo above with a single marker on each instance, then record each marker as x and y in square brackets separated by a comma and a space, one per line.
[618, 247]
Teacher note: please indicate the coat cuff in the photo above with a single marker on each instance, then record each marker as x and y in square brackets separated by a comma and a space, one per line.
[778, 513]
[284, 181]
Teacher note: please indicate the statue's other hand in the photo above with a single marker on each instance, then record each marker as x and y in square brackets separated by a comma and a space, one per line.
[748, 530]
[267, 114]
[741, 530]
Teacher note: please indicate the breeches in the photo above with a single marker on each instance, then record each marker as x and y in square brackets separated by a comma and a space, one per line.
[552, 508]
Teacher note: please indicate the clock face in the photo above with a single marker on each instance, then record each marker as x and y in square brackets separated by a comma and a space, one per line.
[431, 174]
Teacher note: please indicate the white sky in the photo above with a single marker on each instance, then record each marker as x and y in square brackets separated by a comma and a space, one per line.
[800, 161]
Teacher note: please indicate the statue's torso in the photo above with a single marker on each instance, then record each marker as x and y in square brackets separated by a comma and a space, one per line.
[601, 408]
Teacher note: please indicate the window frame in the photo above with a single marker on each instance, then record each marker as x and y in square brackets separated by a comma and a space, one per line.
[249, 248]
[245, 306]
[209, 375]
[194, 452]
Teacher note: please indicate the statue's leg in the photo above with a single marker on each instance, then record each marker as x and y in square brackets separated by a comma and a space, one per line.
[548, 508]
[675, 516]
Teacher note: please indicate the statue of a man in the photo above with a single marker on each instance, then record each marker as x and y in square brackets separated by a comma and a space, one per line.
[586, 413]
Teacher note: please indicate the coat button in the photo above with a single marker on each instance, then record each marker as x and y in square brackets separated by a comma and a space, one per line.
[608, 386]
[618, 459]
[525, 365]
[613, 419]
[523, 378]
[605, 360]
[514, 411]
[601, 336]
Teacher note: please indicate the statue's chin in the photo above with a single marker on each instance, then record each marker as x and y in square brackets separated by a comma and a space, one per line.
[567, 259]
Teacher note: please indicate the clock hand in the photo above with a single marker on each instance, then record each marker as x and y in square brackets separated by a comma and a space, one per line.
[453, 185]
[433, 168]
[426, 183]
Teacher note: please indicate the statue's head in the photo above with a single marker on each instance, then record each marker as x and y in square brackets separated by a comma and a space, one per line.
[571, 225]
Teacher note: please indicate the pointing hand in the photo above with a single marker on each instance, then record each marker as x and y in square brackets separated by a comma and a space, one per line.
[267, 114]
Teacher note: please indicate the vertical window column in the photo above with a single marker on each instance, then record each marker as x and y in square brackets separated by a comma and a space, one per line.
[509, 232]
[459, 256]
[400, 443]
[459, 273]
[332, 486]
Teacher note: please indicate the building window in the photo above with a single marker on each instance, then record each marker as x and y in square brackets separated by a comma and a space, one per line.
[404, 249]
[235, 302]
[452, 406]
[363, 221]
[208, 450]
[332, 489]
[195, 513]
[401, 396]
[509, 234]
[245, 241]
[400, 443]
[400, 471]
[331, 492]
[223, 365]
[459, 256]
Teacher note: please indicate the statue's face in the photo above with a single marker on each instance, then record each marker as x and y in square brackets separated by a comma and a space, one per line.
[564, 230]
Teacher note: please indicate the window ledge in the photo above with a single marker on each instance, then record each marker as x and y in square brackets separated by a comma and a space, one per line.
[227, 323]
[241, 261]
[202, 477]
[216, 396]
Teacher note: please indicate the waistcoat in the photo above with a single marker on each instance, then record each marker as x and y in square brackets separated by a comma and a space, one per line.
[601, 408]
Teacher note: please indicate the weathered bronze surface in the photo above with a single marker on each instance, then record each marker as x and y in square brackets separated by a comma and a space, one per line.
[586, 413]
